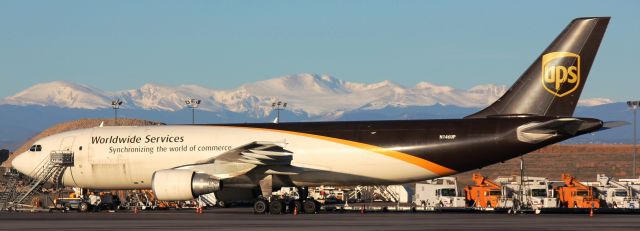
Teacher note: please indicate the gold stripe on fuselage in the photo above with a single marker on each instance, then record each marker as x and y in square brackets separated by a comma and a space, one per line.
[428, 165]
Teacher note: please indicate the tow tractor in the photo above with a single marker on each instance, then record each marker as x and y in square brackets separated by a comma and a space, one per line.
[66, 204]
[107, 201]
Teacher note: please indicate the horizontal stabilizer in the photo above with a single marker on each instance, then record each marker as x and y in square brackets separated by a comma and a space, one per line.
[565, 126]
[613, 124]
[537, 132]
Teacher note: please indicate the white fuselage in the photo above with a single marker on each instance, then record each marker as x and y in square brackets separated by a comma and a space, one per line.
[127, 157]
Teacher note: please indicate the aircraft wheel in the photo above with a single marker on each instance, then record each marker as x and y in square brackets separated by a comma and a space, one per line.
[83, 207]
[260, 207]
[310, 206]
[222, 204]
[276, 207]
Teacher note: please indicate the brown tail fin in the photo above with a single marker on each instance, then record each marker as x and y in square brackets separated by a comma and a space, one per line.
[551, 86]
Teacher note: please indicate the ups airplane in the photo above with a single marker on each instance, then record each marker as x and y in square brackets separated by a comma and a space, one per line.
[248, 161]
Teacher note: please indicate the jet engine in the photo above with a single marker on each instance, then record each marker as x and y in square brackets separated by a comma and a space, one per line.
[182, 184]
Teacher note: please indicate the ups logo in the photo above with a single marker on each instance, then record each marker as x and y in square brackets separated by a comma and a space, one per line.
[560, 72]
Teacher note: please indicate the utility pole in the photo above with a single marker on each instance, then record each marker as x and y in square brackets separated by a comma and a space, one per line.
[634, 106]
[115, 104]
[278, 106]
[522, 191]
[193, 104]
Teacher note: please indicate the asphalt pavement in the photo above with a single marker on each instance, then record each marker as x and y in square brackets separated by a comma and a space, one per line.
[243, 219]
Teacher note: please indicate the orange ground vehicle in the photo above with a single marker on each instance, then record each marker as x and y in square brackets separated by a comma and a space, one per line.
[484, 194]
[576, 195]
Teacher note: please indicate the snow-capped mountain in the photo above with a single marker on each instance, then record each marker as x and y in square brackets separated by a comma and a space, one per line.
[309, 97]
[594, 102]
[61, 94]
[320, 96]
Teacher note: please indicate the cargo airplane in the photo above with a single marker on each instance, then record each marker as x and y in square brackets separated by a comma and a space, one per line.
[236, 161]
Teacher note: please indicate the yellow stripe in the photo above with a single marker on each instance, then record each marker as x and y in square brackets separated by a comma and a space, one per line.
[433, 167]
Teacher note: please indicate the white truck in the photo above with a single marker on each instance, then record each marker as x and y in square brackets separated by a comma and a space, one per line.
[537, 192]
[617, 194]
[440, 192]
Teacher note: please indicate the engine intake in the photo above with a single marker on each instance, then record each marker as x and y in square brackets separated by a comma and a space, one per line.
[182, 184]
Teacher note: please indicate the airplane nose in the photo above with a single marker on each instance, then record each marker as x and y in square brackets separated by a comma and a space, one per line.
[23, 163]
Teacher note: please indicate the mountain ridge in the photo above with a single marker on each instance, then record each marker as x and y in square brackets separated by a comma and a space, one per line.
[316, 95]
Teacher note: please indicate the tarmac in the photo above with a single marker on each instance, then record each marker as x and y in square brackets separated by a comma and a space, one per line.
[244, 219]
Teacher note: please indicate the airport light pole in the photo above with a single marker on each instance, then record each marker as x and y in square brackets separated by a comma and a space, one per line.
[115, 104]
[521, 202]
[278, 106]
[193, 104]
[634, 106]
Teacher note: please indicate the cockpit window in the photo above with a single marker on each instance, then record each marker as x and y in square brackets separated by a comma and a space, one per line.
[35, 148]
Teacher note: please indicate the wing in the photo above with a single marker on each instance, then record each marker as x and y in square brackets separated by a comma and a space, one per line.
[243, 159]
[258, 153]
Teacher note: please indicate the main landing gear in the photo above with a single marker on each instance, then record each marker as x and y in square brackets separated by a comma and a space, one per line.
[274, 205]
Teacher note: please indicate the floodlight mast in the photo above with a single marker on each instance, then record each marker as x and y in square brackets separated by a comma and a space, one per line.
[633, 105]
[193, 104]
[115, 104]
[278, 106]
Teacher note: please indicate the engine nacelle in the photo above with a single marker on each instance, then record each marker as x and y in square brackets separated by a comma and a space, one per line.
[182, 184]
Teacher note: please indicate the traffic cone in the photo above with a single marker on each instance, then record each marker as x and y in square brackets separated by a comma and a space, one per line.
[135, 210]
[591, 212]
[295, 210]
[362, 210]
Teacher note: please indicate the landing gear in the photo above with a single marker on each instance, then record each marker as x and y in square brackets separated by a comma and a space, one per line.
[276, 207]
[267, 203]
[311, 206]
[260, 206]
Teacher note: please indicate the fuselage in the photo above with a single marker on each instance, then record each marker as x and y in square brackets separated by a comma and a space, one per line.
[333, 153]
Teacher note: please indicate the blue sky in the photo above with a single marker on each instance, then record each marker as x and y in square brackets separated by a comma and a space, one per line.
[117, 45]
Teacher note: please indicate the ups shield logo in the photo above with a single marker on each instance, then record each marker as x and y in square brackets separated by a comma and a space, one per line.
[560, 72]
